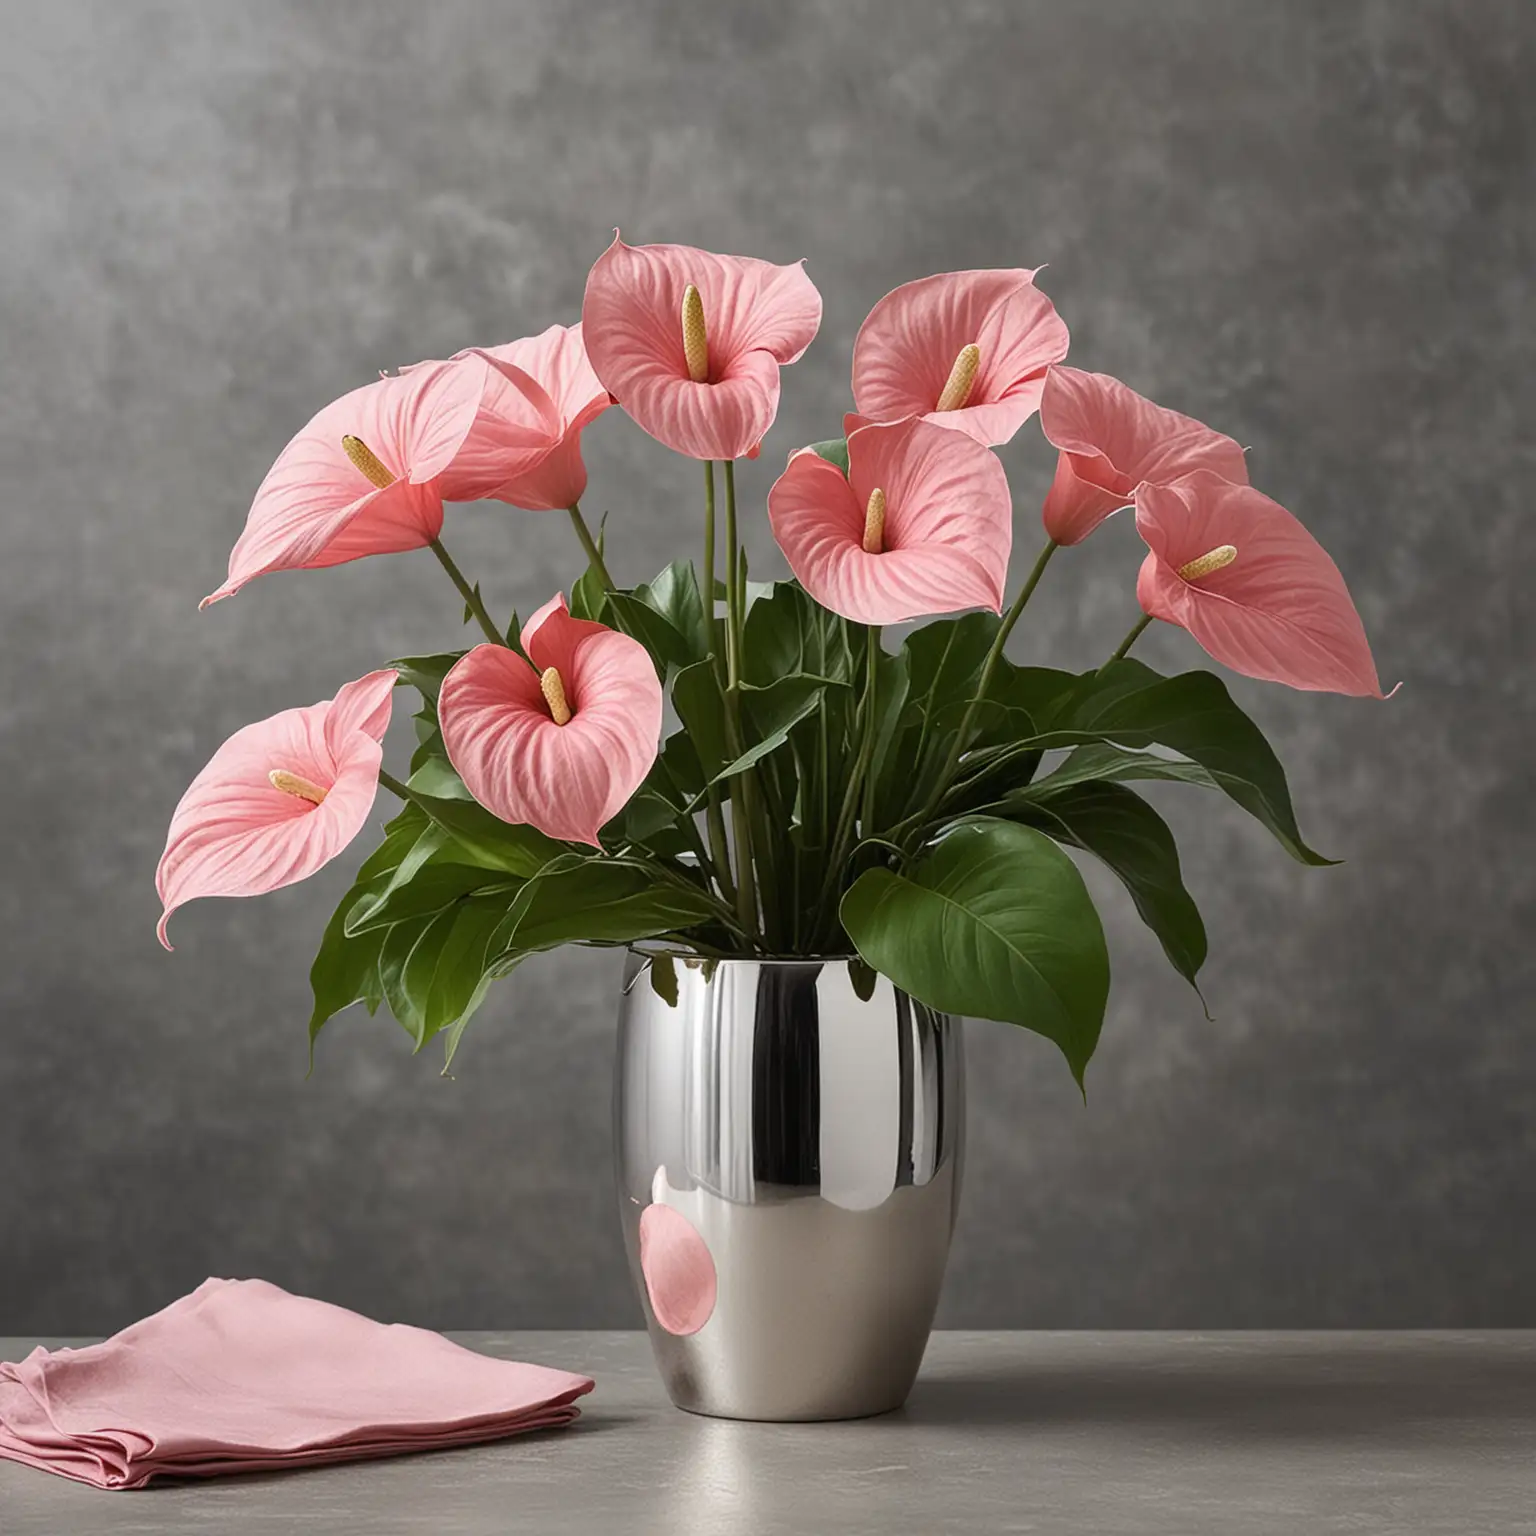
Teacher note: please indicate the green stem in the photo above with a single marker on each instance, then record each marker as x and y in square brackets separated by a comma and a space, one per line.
[468, 593]
[842, 839]
[1125, 645]
[709, 548]
[741, 791]
[988, 668]
[589, 544]
[393, 785]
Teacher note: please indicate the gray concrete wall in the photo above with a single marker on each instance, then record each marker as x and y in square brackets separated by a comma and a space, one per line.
[1310, 223]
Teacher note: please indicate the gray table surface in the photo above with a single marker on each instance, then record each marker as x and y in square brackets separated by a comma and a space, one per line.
[1104, 1432]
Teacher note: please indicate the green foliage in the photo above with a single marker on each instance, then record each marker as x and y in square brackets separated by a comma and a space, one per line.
[944, 871]
[995, 921]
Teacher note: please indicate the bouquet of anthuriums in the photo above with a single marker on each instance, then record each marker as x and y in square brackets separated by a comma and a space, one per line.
[703, 767]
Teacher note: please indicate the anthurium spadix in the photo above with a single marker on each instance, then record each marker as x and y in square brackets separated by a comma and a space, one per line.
[1110, 440]
[560, 744]
[690, 343]
[968, 350]
[1243, 576]
[278, 800]
[367, 475]
[921, 524]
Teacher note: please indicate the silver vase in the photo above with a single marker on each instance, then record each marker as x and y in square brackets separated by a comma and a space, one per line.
[799, 1152]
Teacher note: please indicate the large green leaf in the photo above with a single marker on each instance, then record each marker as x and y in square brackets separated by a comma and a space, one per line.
[1117, 826]
[1192, 713]
[596, 901]
[994, 920]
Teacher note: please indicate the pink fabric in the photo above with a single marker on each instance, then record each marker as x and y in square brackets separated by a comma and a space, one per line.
[242, 1377]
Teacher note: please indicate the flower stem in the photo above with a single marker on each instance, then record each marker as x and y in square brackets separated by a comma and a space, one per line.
[988, 668]
[842, 839]
[468, 593]
[709, 548]
[589, 544]
[1125, 645]
[741, 790]
[393, 785]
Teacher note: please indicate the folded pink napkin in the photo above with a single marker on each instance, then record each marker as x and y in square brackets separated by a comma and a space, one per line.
[242, 1377]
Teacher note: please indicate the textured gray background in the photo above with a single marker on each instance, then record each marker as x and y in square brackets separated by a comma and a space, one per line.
[1309, 223]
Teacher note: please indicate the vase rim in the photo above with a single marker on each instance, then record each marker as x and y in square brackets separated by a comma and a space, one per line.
[641, 954]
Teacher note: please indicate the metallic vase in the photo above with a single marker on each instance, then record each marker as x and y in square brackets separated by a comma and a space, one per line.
[806, 1147]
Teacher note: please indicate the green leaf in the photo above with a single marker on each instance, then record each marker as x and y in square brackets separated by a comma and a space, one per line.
[862, 978]
[1192, 713]
[424, 892]
[436, 777]
[426, 673]
[834, 450]
[700, 706]
[435, 972]
[345, 970]
[597, 901]
[675, 595]
[772, 713]
[788, 632]
[487, 839]
[1117, 826]
[993, 921]
[1102, 763]
[664, 979]
[588, 596]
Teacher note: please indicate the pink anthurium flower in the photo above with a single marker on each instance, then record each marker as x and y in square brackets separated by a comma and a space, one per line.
[563, 743]
[1244, 577]
[921, 524]
[278, 800]
[557, 360]
[1111, 439]
[367, 475]
[967, 350]
[690, 343]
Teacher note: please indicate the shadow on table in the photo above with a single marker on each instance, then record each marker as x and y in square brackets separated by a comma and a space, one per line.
[1320, 1389]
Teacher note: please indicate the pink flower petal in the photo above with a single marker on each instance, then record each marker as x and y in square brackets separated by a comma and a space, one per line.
[316, 508]
[758, 316]
[566, 780]
[234, 834]
[679, 1272]
[1279, 611]
[1111, 439]
[908, 344]
[516, 427]
[948, 528]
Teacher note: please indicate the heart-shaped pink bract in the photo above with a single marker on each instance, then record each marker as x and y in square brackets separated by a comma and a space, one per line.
[756, 318]
[278, 800]
[1244, 577]
[968, 350]
[557, 360]
[500, 727]
[945, 524]
[1111, 439]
